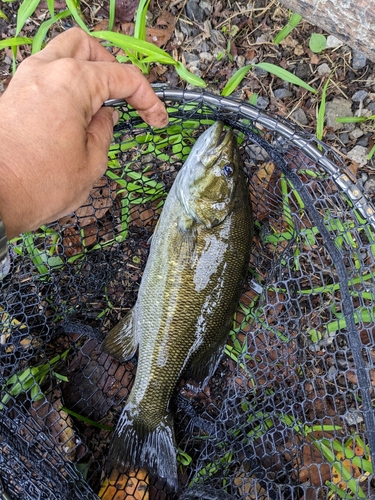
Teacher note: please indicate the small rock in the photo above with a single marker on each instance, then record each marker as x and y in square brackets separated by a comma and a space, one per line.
[282, 93]
[201, 46]
[324, 69]
[363, 142]
[191, 58]
[262, 102]
[193, 69]
[331, 374]
[260, 71]
[185, 28]
[218, 39]
[7, 60]
[359, 96]
[359, 60]
[371, 107]
[206, 56]
[344, 138]
[240, 60]
[333, 42]
[303, 71]
[358, 154]
[353, 417]
[364, 177]
[194, 11]
[206, 7]
[300, 116]
[335, 108]
[356, 134]
[369, 187]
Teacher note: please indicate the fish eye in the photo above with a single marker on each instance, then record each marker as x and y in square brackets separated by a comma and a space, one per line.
[228, 171]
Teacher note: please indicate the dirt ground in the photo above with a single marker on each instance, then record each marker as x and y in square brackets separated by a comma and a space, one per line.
[214, 39]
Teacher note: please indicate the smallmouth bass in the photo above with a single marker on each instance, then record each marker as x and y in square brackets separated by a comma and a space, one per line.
[187, 298]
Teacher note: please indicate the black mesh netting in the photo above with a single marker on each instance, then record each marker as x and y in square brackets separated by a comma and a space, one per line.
[289, 412]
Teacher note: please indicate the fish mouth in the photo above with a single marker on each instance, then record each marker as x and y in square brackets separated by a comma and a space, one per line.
[222, 139]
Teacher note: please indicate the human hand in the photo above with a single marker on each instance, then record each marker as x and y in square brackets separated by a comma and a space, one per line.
[54, 132]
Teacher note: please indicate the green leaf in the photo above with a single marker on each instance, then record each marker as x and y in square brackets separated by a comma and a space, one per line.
[43, 28]
[140, 20]
[3, 16]
[235, 80]
[14, 42]
[288, 28]
[85, 419]
[112, 11]
[253, 99]
[126, 43]
[51, 7]
[317, 43]
[371, 153]
[26, 10]
[285, 75]
[72, 6]
[322, 112]
[354, 119]
[189, 77]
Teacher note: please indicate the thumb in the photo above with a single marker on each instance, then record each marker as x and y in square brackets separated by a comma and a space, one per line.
[99, 136]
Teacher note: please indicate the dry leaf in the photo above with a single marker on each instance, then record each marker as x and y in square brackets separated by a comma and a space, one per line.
[249, 488]
[125, 10]
[98, 203]
[130, 486]
[58, 423]
[262, 180]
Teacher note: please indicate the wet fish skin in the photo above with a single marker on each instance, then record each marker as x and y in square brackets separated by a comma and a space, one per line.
[190, 288]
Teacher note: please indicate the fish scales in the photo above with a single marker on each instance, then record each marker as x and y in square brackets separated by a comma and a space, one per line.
[190, 288]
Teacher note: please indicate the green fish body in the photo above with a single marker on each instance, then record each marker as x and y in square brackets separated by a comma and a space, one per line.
[189, 292]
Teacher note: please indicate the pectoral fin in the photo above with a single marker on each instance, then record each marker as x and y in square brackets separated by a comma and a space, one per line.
[120, 343]
[187, 237]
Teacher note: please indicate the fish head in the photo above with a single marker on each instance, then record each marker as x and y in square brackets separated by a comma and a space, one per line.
[207, 182]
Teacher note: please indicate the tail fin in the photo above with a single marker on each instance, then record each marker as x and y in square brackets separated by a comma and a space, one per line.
[135, 444]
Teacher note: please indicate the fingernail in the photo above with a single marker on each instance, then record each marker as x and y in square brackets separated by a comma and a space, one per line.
[115, 116]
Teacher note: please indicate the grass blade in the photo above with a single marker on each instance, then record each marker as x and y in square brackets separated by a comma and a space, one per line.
[354, 119]
[322, 112]
[288, 28]
[43, 28]
[371, 153]
[51, 7]
[72, 6]
[85, 419]
[27, 9]
[127, 43]
[14, 42]
[140, 20]
[235, 80]
[285, 75]
[112, 11]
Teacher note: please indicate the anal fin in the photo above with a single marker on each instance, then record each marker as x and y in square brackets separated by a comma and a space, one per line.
[120, 343]
[203, 365]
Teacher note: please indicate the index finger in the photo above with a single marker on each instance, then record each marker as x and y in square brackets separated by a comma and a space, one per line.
[77, 44]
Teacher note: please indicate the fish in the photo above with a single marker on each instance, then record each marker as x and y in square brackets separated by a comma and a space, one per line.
[188, 295]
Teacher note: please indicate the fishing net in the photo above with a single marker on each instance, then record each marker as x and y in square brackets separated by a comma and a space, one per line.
[288, 413]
